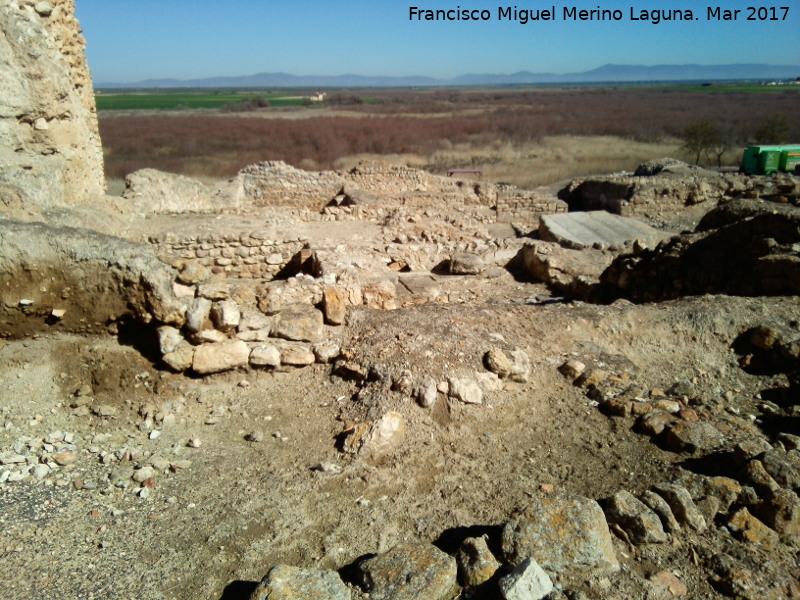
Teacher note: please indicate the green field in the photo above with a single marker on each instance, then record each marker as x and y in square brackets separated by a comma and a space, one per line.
[757, 88]
[177, 100]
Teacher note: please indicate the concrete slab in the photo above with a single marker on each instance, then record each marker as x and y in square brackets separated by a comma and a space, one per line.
[583, 229]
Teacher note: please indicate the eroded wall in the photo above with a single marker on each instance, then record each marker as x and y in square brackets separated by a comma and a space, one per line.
[50, 151]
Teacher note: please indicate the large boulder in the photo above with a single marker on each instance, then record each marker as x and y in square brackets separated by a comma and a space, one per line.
[585, 229]
[565, 271]
[566, 535]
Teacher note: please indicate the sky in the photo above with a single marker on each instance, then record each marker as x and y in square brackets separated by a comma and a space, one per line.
[133, 40]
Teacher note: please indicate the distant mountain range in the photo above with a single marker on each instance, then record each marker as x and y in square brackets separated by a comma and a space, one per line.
[608, 73]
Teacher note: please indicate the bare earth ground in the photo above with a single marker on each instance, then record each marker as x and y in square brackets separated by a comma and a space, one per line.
[211, 527]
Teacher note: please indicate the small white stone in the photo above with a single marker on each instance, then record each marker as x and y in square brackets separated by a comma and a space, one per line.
[255, 436]
[41, 471]
[18, 475]
[143, 474]
[44, 9]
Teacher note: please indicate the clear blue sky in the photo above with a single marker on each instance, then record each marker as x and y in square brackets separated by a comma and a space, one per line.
[133, 40]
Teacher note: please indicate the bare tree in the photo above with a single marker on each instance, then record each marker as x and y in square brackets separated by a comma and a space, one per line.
[700, 139]
[774, 130]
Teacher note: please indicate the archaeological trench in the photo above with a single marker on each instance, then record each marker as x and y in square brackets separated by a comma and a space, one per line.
[384, 383]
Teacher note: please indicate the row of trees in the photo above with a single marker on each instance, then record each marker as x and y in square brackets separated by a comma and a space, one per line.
[704, 141]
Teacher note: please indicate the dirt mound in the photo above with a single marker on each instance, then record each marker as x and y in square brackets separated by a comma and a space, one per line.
[82, 279]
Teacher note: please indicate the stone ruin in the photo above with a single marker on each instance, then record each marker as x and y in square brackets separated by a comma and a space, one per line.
[49, 141]
[262, 271]
[256, 266]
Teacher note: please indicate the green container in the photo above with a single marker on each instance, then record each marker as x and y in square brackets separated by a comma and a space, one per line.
[750, 159]
[769, 161]
[765, 160]
[790, 159]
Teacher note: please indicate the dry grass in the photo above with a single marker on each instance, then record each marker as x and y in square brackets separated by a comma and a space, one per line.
[528, 138]
[533, 164]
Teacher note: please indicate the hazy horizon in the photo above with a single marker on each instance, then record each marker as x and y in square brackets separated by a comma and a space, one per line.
[152, 39]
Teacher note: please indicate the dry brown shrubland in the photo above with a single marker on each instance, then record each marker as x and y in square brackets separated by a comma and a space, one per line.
[532, 164]
[522, 137]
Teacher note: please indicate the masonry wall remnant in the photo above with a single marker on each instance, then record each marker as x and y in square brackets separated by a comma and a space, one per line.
[274, 183]
[632, 196]
[247, 255]
[376, 184]
[520, 206]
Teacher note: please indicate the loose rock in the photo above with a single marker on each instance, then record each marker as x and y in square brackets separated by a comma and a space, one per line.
[640, 523]
[527, 581]
[564, 534]
[293, 583]
[476, 563]
[410, 572]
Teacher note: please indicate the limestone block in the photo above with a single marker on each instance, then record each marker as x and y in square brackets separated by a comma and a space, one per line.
[299, 323]
[214, 358]
[265, 355]
[527, 581]
[168, 339]
[465, 390]
[333, 303]
[181, 358]
[295, 354]
[225, 315]
[380, 294]
[465, 263]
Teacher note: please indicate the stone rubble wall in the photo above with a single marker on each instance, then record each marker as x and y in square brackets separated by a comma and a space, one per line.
[372, 185]
[50, 148]
[519, 206]
[754, 256]
[413, 187]
[246, 255]
[274, 183]
[632, 196]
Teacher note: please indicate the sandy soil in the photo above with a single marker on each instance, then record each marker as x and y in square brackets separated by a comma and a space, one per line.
[212, 527]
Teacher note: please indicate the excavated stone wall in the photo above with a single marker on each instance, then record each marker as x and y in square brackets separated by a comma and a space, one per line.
[274, 183]
[518, 206]
[50, 148]
[246, 255]
[375, 184]
[413, 187]
[632, 196]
